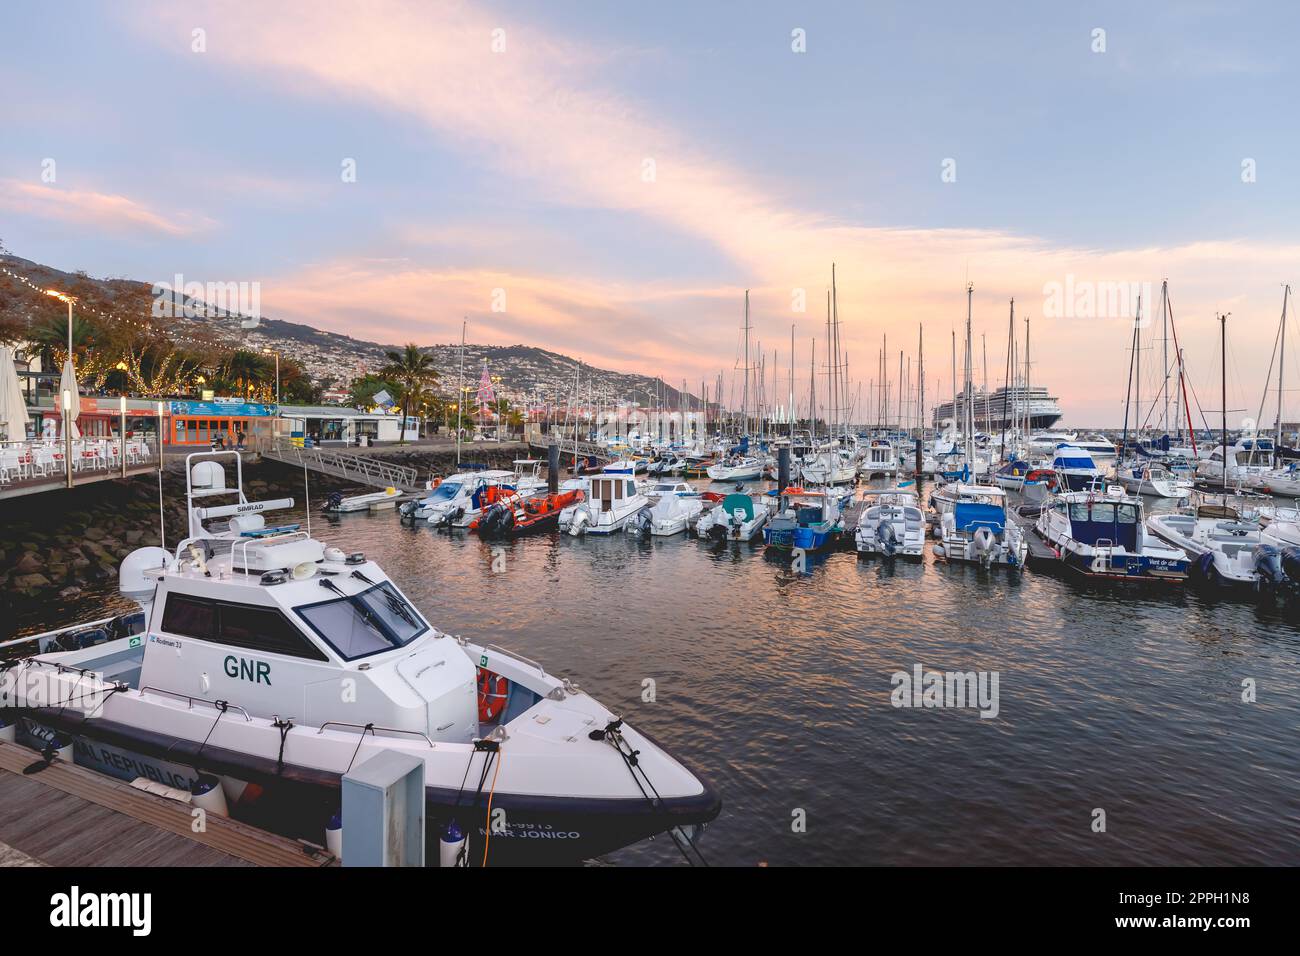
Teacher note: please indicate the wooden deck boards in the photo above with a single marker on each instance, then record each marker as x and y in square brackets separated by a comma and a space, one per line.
[69, 816]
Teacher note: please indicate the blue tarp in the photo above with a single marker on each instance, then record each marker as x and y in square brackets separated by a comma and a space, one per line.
[971, 515]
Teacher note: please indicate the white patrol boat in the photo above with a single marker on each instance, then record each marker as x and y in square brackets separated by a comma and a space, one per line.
[265, 666]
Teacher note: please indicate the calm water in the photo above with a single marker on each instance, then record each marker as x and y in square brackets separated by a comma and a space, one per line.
[777, 686]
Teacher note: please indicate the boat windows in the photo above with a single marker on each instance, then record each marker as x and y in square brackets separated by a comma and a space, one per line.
[1103, 511]
[237, 625]
[373, 621]
[1128, 514]
[1078, 511]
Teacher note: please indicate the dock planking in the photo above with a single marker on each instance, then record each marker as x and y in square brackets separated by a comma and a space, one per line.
[69, 816]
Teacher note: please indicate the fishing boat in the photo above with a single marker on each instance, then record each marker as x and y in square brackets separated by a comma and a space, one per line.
[891, 524]
[1101, 534]
[517, 516]
[1075, 468]
[336, 503]
[806, 519]
[1154, 480]
[228, 686]
[977, 529]
[737, 518]
[612, 500]
[668, 516]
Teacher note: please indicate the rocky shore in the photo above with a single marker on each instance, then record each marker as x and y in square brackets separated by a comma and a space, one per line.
[56, 543]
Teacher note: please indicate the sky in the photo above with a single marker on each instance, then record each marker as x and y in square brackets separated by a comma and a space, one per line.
[607, 179]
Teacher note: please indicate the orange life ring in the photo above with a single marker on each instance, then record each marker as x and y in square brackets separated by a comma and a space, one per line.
[493, 689]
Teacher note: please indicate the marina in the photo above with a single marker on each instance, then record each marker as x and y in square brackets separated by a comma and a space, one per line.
[598, 439]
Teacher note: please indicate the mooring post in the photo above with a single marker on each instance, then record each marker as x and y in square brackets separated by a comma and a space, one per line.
[553, 467]
[782, 468]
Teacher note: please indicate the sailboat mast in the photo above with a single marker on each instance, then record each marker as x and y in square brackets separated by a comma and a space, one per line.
[920, 380]
[744, 401]
[1277, 425]
[1223, 393]
[1006, 395]
[460, 391]
[969, 418]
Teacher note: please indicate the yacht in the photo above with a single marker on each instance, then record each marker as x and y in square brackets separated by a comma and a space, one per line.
[668, 516]
[226, 682]
[1247, 464]
[831, 465]
[879, 457]
[738, 468]
[1102, 536]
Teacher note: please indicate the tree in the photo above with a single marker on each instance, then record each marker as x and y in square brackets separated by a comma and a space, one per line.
[412, 370]
[362, 391]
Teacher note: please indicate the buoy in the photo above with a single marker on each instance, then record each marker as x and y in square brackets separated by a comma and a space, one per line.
[8, 732]
[334, 836]
[451, 846]
[206, 793]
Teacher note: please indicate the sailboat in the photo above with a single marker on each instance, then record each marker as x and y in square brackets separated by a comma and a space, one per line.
[1224, 533]
[225, 681]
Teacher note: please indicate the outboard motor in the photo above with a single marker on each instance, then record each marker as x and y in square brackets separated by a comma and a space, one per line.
[983, 542]
[887, 538]
[1291, 563]
[640, 523]
[333, 501]
[1203, 569]
[1268, 565]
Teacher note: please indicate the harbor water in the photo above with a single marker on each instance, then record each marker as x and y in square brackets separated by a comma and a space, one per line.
[777, 685]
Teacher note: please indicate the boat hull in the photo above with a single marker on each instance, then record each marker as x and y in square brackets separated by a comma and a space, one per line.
[298, 801]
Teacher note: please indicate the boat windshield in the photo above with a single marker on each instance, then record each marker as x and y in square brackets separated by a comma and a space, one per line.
[445, 491]
[372, 621]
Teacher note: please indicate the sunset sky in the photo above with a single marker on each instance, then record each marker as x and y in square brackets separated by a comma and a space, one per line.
[624, 171]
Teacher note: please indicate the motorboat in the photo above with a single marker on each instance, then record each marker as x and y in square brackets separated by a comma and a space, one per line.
[1102, 535]
[1011, 476]
[1225, 537]
[806, 519]
[611, 501]
[978, 529]
[667, 487]
[528, 478]
[738, 517]
[516, 516]
[459, 499]
[1075, 468]
[1153, 480]
[891, 524]
[668, 516]
[737, 468]
[878, 457]
[227, 686]
[336, 503]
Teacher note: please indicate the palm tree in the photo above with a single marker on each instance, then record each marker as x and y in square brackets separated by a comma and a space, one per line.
[412, 370]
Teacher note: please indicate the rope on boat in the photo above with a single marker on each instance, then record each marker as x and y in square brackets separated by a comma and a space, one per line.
[612, 733]
[493, 750]
[222, 706]
[284, 726]
[368, 728]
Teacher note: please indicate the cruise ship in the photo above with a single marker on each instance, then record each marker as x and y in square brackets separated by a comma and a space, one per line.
[1002, 405]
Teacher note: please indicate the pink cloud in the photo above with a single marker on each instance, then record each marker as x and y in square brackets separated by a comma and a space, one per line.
[109, 212]
[536, 111]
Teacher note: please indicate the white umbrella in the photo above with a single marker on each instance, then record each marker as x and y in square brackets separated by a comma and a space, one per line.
[68, 383]
[13, 408]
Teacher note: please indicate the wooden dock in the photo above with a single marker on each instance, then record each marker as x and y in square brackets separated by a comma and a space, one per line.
[66, 815]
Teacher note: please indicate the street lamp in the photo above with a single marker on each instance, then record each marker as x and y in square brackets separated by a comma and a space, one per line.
[270, 351]
[64, 297]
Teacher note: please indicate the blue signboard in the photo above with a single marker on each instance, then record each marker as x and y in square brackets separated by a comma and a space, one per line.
[232, 409]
